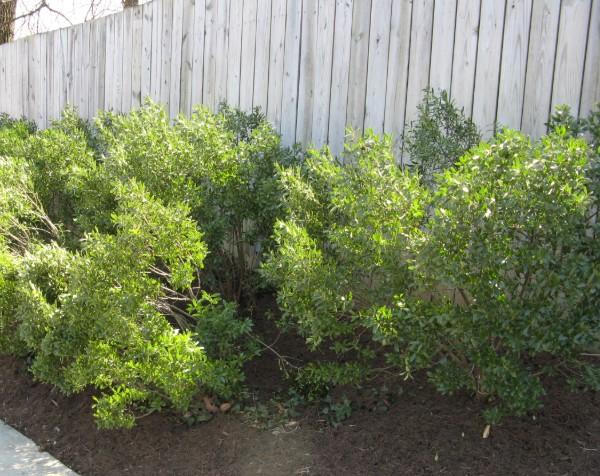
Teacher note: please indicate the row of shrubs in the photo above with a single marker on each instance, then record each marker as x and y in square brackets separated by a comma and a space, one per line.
[131, 246]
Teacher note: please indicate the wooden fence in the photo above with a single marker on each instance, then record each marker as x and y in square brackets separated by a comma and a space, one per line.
[317, 66]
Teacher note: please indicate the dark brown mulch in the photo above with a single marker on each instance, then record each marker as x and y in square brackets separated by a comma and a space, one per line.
[420, 433]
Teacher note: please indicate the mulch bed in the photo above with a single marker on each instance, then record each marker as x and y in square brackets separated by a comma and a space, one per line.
[421, 432]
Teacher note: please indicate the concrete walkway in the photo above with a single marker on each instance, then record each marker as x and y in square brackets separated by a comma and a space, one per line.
[19, 456]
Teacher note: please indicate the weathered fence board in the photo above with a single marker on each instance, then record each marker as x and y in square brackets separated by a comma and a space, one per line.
[487, 74]
[514, 63]
[591, 79]
[261, 54]
[570, 53]
[540, 64]
[379, 46]
[317, 66]
[277, 51]
[359, 56]
[339, 74]
[419, 55]
[442, 46]
[322, 79]
[465, 54]
[248, 53]
[397, 78]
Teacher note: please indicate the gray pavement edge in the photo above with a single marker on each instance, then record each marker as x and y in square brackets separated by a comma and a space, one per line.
[19, 456]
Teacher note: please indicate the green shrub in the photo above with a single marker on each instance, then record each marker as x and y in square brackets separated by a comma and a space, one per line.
[22, 216]
[57, 161]
[73, 125]
[8, 295]
[100, 316]
[589, 129]
[344, 247]
[493, 288]
[440, 135]
[225, 337]
[221, 165]
[14, 134]
[238, 157]
[513, 273]
[144, 146]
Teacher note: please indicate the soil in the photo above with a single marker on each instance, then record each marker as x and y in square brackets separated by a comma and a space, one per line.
[416, 432]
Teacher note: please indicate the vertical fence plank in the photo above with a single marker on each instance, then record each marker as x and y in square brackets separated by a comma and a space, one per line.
[147, 47]
[136, 56]
[221, 48]
[23, 52]
[101, 65]
[210, 40]
[308, 59]
[65, 67]
[11, 106]
[540, 64]
[590, 95]
[6, 80]
[293, 29]
[34, 99]
[248, 52]
[570, 53]
[261, 56]
[125, 96]
[155, 74]
[442, 44]
[176, 45]
[198, 54]
[276, 52]
[379, 45]
[75, 43]
[165, 68]
[8, 85]
[127, 54]
[397, 75]
[110, 62]
[4, 88]
[465, 53]
[17, 83]
[92, 95]
[420, 55]
[12, 82]
[487, 74]
[119, 62]
[342, 37]
[56, 82]
[84, 80]
[50, 109]
[187, 58]
[41, 85]
[514, 63]
[323, 65]
[234, 53]
[359, 52]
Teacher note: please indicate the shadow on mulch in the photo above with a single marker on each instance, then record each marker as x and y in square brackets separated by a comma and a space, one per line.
[420, 433]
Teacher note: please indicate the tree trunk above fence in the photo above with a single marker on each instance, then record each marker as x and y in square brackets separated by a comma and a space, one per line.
[8, 9]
